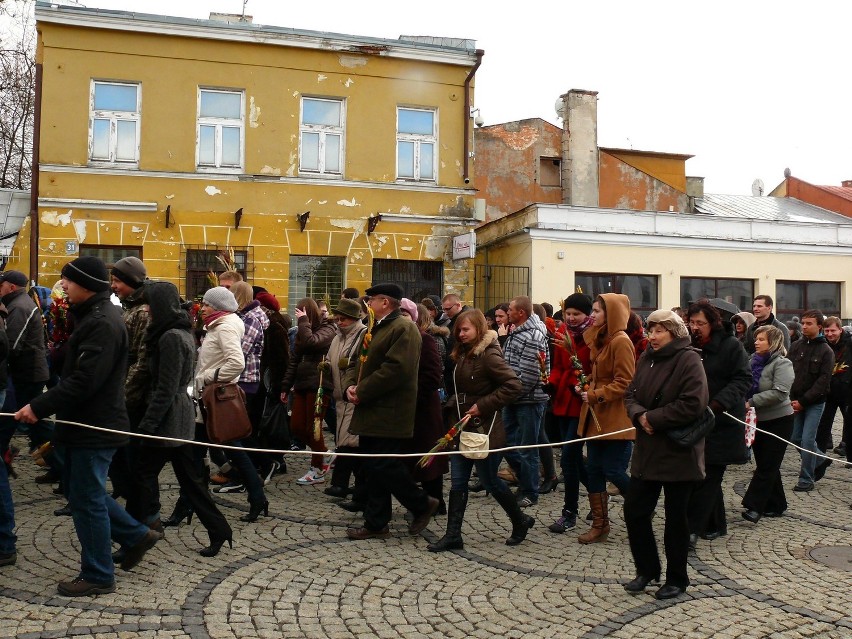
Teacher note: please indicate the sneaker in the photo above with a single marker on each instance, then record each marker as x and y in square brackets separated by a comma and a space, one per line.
[273, 468]
[79, 587]
[526, 502]
[565, 522]
[313, 476]
[328, 463]
[803, 488]
[230, 487]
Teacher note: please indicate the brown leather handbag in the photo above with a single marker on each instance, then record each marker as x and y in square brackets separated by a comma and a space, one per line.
[227, 418]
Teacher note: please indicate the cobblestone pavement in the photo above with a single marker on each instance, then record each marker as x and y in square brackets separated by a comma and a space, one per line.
[295, 574]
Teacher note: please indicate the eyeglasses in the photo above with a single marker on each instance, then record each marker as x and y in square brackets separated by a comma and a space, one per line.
[698, 323]
[451, 307]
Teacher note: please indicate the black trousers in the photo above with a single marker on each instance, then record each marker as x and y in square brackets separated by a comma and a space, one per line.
[345, 467]
[639, 505]
[706, 511]
[145, 499]
[766, 491]
[385, 477]
[823, 436]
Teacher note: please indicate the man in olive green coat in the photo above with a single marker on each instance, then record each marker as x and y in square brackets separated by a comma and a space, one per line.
[385, 396]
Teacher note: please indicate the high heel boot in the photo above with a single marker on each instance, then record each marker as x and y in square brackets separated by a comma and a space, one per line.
[215, 546]
[183, 510]
[452, 540]
[255, 509]
[600, 520]
[521, 523]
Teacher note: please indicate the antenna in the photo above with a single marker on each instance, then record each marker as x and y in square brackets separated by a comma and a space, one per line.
[243, 16]
[757, 187]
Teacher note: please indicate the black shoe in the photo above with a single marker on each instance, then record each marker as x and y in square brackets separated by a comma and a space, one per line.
[254, 512]
[135, 553]
[669, 592]
[520, 530]
[8, 558]
[215, 546]
[119, 555]
[180, 513]
[351, 505]
[48, 477]
[639, 584]
[803, 488]
[476, 487]
[548, 485]
[819, 471]
[715, 534]
[693, 541]
[65, 511]
[772, 513]
[751, 515]
[336, 491]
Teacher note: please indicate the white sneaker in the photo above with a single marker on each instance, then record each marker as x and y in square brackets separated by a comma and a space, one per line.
[328, 463]
[313, 476]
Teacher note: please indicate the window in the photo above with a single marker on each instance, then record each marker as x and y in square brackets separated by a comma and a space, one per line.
[114, 122]
[220, 129]
[794, 298]
[198, 262]
[110, 254]
[739, 292]
[316, 277]
[641, 289]
[416, 141]
[549, 171]
[418, 278]
[321, 136]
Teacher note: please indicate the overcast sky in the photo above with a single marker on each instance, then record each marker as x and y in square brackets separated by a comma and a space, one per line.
[747, 87]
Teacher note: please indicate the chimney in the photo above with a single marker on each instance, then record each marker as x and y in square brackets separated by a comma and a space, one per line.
[580, 163]
[694, 186]
[230, 18]
[846, 184]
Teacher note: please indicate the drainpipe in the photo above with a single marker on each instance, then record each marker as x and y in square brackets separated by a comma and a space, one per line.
[467, 81]
[34, 181]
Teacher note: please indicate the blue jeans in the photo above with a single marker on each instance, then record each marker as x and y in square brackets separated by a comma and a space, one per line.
[573, 468]
[805, 425]
[97, 516]
[42, 430]
[522, 423]
[606, 460]
[7, 505]
[461, 466]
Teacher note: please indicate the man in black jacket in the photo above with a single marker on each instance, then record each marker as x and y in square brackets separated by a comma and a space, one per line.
[91, 391]
[841, 343]
[813, 361]
[763, 316]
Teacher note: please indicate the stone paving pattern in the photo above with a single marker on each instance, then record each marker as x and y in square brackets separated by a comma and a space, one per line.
[295, 574]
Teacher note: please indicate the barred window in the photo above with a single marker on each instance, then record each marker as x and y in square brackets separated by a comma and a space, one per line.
[317, 277]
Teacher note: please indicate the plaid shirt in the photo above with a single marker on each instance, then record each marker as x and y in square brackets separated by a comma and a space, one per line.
[256, 322]
[521, 351]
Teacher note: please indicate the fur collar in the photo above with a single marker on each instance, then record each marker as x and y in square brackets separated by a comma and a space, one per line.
[485, 342]
[440, 331]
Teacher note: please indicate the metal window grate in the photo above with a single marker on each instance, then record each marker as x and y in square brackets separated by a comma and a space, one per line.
[197, 260]
[110, 254]
[316, 277]
[498, 284]
[418, 278]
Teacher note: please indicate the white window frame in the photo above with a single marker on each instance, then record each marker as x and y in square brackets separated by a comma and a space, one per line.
[418, 139]
[114, 117]
[323, 130]
[218, 123]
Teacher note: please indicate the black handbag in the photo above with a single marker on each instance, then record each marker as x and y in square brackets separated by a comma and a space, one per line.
[689, 435]
[273, 431]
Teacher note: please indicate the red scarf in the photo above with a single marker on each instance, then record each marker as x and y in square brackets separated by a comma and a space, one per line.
[214, 316]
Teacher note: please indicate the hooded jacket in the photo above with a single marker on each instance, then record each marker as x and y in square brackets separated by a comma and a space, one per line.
[91, 387]
[613, 365]
[841, 374]
[813, 361]
[343, 356]
[670, 389]
[522, 350]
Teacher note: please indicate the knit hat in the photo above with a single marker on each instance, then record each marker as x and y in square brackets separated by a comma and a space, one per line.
[409, 307]
[89, 272]
[580, 301]
[388, 289]
[131, 271]
[670, 321]
[348, 308]
[14, 277]
[268, 300]
[221, 299]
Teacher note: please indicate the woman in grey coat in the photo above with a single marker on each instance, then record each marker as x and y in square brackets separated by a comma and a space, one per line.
[171, 413]
[772, 375]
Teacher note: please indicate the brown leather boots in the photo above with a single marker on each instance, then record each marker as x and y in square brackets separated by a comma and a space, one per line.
[600, 520]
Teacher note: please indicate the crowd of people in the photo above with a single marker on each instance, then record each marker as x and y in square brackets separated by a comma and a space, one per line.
[389, 376]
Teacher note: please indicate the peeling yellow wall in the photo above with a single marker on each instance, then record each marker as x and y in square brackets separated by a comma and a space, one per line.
[170, 70]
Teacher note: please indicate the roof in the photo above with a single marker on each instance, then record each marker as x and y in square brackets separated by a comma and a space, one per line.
[842, 191]
[659, 154]
[773, 209]
[457, 51]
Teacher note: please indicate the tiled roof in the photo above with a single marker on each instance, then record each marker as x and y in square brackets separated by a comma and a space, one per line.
[776, 209]
[843, 191]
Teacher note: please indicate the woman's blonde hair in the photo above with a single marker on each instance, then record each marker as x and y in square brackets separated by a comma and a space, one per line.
[477, 321]
[243, 293]
[775, 338]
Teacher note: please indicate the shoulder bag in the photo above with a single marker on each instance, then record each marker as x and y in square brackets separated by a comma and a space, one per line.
[689, 435]
[472, 445]
[227, 419]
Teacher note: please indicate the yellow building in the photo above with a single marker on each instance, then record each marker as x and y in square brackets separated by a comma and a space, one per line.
[321, 160]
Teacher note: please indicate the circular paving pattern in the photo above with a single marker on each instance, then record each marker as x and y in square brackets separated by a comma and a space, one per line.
[295, 574]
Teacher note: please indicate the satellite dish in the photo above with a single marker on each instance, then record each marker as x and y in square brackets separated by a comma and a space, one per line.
[757, 187]
[559, 106]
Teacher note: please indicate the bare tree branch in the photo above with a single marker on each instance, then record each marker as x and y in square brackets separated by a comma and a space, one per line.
[17, 92]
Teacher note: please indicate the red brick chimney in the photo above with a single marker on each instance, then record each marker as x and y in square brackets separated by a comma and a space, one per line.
[846, 184]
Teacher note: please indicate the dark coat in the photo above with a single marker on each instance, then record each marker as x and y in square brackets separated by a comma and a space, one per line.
[91, 388]
[428, 419]
[309, 349]
[728, 371]
[276, 352]
[27, 362]
[484, 378]
[670, 389]
[813, 361]
[387, 390]
[748, 343]
[841, 377]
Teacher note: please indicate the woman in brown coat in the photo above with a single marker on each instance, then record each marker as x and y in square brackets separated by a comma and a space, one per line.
[668, 391]
[613, 363]
[484, 383]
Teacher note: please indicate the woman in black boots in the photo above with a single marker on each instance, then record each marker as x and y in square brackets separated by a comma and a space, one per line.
[170, 413]
[484, 384]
